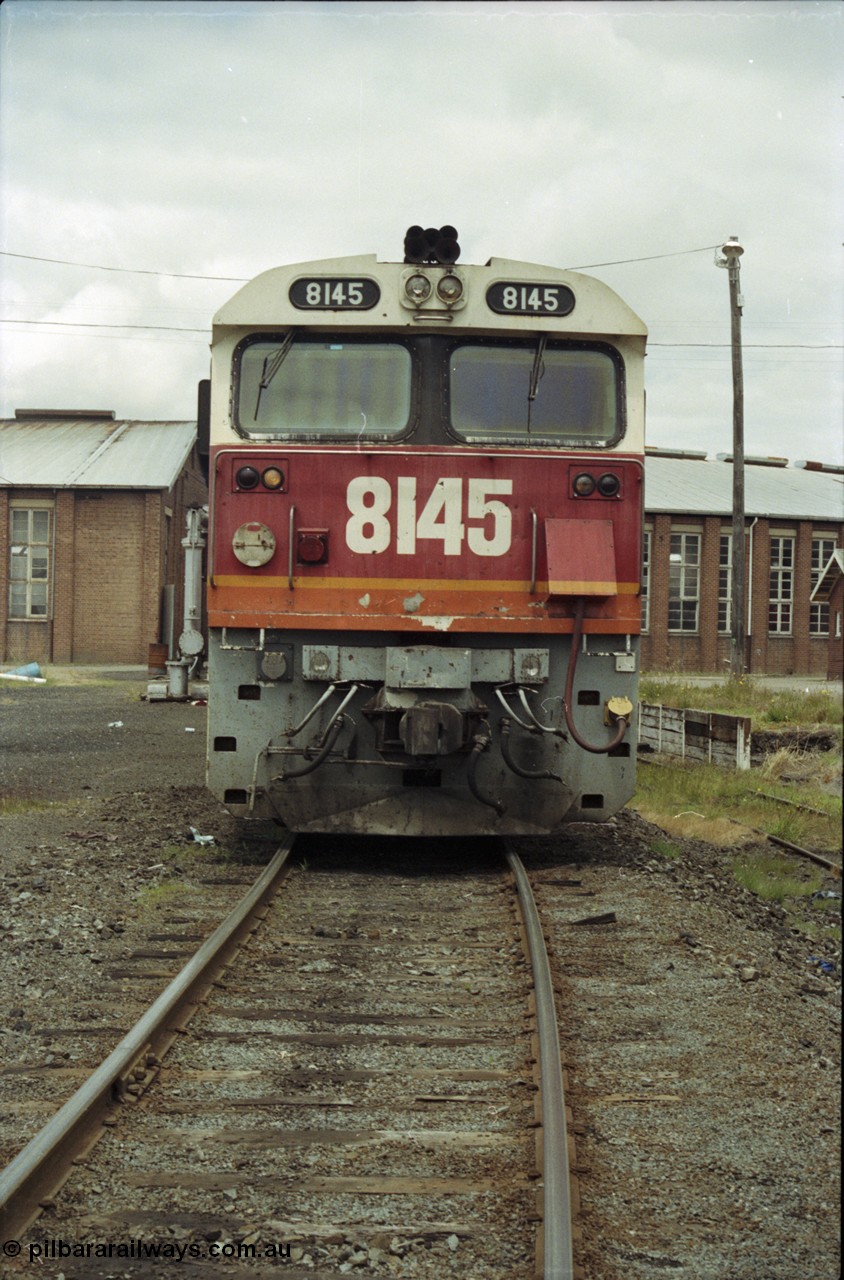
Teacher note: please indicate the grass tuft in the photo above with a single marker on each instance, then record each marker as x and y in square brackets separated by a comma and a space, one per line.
[705, 802]
[773, 879]
[667, 849]
[169, 893]
[776, 708]
[22, 802]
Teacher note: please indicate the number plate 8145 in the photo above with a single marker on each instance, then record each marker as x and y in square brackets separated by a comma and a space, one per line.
[334, 293]
[525, 298]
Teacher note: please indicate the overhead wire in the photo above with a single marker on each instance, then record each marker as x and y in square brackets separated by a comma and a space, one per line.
[171, 328]
[242, 279]
[178, 275]
[137, 271]
[651, 257]
[95, 324]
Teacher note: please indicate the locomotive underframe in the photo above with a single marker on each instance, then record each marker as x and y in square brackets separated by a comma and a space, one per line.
[380, 736]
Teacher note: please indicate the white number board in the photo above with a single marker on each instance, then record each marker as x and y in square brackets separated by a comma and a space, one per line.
[455, 512]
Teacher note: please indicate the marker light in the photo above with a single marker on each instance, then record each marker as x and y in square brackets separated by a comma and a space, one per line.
[584, 485]
[272, 478]
[450, 289]
[418, 288]
[609, 485]
[247, 478]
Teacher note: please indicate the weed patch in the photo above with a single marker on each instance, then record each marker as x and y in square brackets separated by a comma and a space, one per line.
[703, 802]
[169, 893]
[22, 802]
[666, 849]
[775, 708]
[774, 879]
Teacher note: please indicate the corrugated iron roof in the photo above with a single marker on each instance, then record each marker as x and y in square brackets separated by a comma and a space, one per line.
[694, 486]
[93, 453]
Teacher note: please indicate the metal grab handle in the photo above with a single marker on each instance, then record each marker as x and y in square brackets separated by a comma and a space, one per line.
[290, 532]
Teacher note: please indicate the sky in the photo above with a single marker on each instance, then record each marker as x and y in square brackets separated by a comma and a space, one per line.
[148, 143]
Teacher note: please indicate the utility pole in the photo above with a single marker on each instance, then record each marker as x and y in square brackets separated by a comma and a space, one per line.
[731, 252]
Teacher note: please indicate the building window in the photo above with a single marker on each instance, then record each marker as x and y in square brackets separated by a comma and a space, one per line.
[646, 582]
[822, 549]
[781, 591]
[725, 583]
[29, 562]
[684, 582]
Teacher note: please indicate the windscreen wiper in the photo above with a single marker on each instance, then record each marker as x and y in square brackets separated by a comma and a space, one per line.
[272, 364]
[536, 373]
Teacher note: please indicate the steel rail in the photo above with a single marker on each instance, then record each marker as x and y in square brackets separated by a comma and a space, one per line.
[558, 1260]
[42, 1166]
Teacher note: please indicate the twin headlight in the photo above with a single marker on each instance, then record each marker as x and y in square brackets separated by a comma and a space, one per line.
[419, 288]
[249, 478]
[586, 485]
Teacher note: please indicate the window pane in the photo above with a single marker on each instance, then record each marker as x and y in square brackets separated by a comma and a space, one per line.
[19, 567]
[569, 395]
[40, 526]
[324, 388]
[17, 600]
[39, 565]
[20, 526]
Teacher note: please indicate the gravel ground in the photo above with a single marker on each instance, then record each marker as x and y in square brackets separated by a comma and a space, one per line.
[701, 1037]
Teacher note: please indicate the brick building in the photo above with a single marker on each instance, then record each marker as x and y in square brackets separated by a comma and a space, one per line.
[794, 522]
[92, 514]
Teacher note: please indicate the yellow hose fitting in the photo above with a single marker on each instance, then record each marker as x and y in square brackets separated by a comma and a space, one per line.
[616, 709]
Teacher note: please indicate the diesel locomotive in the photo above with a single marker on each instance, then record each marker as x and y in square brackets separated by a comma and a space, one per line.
[424, 550]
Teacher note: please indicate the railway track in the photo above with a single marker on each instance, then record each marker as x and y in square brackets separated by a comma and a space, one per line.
[359, 1074]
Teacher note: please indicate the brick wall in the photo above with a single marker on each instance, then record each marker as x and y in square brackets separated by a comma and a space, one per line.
[63, 576]
[108, 576]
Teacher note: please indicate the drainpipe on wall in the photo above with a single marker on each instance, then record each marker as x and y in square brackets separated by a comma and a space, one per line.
[750, 594]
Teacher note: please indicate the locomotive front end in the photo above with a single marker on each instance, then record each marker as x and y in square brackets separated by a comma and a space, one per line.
[423, 578]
